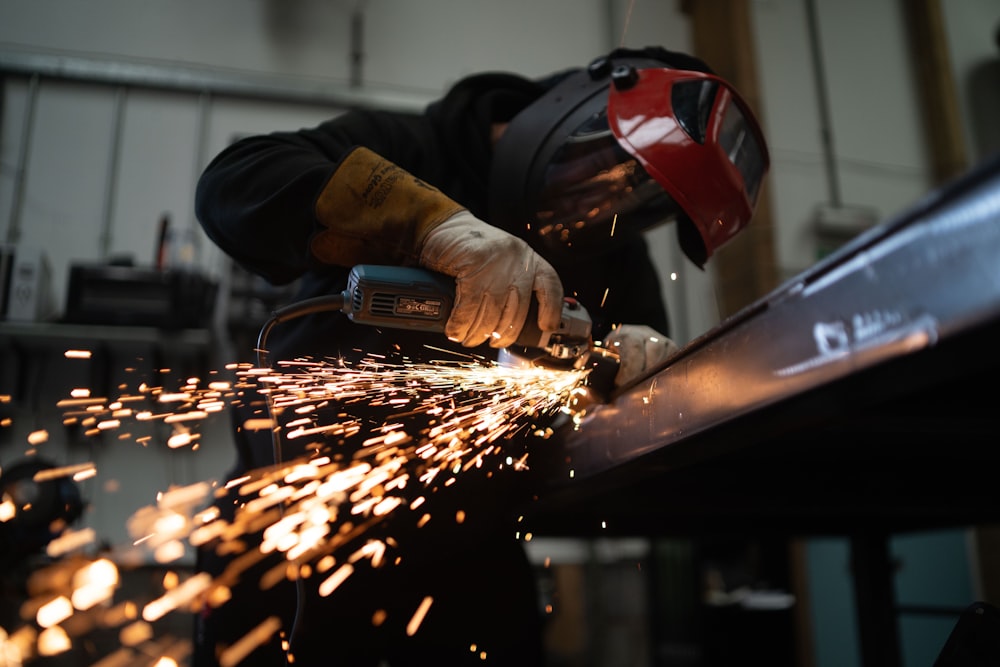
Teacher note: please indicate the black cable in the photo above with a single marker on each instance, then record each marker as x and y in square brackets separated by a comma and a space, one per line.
[317, 304]
[299, 309]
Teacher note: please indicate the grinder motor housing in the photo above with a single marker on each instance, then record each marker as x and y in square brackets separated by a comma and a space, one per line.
[418, 299]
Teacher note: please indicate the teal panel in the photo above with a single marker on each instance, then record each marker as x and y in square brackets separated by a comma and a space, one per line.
[831, 598]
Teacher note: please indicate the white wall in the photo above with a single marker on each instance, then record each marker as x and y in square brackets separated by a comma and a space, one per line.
[417, 45]
[877, 143]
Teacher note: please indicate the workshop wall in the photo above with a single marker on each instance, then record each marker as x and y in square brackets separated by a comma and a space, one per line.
[876, 143]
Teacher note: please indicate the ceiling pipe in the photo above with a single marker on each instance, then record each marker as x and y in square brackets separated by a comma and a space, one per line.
[823, 97]
[357, 39]
[23, 154]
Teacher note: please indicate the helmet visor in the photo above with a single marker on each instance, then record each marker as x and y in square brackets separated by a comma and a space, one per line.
[697, 138]
[743, 149]
[593, 190]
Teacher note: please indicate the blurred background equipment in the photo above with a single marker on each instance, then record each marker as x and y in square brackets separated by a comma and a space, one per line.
[34, 510]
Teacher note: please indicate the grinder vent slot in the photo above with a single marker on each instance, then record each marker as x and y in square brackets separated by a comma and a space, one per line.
[357, 300]
[383, 304]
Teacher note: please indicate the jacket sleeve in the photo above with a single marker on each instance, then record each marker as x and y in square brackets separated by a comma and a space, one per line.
[284, 203]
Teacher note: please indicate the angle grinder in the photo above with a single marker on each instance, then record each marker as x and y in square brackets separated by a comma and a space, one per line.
[416, 299]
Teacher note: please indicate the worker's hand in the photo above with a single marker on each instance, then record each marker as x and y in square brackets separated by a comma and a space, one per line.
[495, 275]
[640, 349]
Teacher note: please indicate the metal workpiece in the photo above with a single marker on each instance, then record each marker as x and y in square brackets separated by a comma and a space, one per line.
[906, 309]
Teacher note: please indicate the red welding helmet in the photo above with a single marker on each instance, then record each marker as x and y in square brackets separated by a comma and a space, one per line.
[624, 145]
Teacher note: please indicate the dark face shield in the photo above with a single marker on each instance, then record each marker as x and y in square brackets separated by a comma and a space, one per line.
[610, 152]
[593, 190]
[744, 150]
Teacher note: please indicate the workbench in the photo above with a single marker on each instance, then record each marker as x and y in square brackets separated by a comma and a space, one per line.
[857, 399]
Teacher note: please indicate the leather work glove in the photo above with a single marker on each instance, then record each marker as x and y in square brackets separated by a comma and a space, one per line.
[640, 349]
[372, 211]
[496, 274]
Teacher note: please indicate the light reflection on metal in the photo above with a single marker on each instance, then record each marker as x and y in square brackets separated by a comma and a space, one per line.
[902, 287]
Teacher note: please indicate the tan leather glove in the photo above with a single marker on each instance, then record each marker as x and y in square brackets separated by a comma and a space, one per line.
[640, 349]
[496, 274]
[374, 212]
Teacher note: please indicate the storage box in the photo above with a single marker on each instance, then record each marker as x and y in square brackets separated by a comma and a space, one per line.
[131, 296]
[27, 281]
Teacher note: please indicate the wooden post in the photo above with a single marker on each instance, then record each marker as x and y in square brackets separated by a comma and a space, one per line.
[936, 83]
[745, 267]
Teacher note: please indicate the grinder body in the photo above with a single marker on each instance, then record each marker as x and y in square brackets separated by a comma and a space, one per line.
[417, 299]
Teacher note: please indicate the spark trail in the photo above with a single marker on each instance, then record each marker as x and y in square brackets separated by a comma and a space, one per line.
[358, 443]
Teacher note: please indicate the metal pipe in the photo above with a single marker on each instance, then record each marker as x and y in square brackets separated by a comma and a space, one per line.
[248, 85]
[21, 170]
[357, 46]
[111, 182]
[823, 98]
[201, 145]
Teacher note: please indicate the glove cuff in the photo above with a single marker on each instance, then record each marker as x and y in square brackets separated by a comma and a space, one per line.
[373, 211]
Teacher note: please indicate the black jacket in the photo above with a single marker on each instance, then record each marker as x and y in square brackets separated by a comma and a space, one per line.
[256, 200]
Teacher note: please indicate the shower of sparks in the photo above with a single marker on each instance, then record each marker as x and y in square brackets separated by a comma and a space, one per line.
[338, 478]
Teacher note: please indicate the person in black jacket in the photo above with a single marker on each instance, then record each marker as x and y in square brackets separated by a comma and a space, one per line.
[519, 189]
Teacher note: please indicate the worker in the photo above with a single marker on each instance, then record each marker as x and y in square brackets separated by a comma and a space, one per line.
[519, 189]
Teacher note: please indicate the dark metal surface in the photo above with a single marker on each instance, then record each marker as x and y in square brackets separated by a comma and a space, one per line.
[861, 392]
